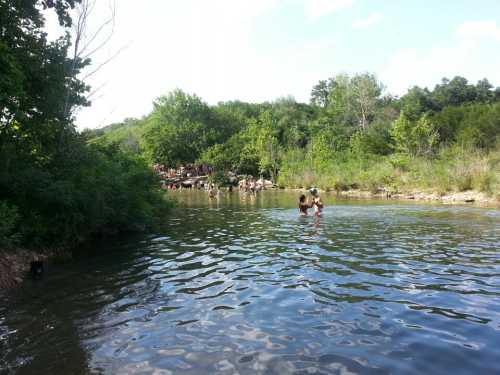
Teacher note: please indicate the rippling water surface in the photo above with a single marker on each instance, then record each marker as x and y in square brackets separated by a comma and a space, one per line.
[244, 285]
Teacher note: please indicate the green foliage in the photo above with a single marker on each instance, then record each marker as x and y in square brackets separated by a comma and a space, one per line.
[414, 138]
[452, 170]
[54, 187]
[350, 101]
[128, 135]
[182, 126]
[454, 92]
[265, 143]
[219, 178]
[416, 102]
[374, 141]
[350, 136]
[321, 91]
[455, 170]
[9, 218]
[95, 190]
[400, 162]
[471, 125]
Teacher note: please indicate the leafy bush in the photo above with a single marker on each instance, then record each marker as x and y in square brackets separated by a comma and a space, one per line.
[97, 190]
[219, 178]
[414, 138]
[9, 219]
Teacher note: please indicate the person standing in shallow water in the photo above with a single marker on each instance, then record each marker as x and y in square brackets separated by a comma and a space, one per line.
[303, 205]
[317, 203]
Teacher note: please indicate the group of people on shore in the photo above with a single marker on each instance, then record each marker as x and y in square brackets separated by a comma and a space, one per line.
[316, 203]
[189, 170]
[250, 185]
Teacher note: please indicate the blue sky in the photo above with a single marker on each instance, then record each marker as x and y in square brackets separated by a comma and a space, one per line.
[258, 50]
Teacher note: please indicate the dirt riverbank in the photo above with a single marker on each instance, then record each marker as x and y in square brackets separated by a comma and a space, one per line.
[15, 264]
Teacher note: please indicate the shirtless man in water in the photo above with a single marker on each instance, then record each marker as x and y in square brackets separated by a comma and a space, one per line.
[317, 203]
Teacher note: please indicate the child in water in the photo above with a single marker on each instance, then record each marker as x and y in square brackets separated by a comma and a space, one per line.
[212, 192]
[303, 205]
[317, 203]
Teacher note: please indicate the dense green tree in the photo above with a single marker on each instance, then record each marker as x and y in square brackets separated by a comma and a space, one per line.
[56, 188]
[416, 102]
[352, 102]
[182, 126]
[454, 92]
[292, 120]
[264, 143]
[376, 140]
[366, 91]
[484, 92]
[418, 138]
[340, 107]
[321, 92]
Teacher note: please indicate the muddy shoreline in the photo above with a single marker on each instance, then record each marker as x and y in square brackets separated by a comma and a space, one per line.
[15, 263]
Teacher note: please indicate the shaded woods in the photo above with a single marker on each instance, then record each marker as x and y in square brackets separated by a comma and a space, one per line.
[55, 188]
[350, 136]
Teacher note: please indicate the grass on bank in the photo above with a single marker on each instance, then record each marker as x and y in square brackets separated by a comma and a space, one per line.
[452, 170]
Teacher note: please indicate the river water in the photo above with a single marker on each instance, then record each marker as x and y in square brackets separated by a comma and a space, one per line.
[244, 285]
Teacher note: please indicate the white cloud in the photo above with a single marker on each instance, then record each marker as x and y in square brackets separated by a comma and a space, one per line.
[201, 47]
[464, 57]
[363, 23]
[215, 49]
[476, 30]
[318, 8]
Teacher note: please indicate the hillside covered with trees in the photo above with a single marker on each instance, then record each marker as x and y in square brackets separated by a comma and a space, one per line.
[350, 136]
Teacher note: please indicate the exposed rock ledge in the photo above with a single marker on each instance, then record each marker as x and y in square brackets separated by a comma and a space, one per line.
[448, 198]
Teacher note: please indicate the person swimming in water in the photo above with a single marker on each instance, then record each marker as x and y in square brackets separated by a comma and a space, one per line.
[303, 205]
[317, 203]
[213, 192]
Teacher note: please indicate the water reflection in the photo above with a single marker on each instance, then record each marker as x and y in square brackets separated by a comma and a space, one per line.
[244, 285]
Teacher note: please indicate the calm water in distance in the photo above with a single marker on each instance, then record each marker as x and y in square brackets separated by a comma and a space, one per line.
[244, 285]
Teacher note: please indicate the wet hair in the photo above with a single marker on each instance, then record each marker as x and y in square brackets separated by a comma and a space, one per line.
[302, 198]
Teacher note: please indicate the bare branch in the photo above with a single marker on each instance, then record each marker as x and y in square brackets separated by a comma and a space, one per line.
[105, 62]
[87, 43]
[97, 33]
[105, 117]
[95, 91]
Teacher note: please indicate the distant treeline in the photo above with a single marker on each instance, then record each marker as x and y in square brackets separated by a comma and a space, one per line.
[350, 135]
[55, 189]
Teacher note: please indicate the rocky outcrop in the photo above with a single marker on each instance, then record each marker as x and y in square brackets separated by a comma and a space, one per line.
[448, 198]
